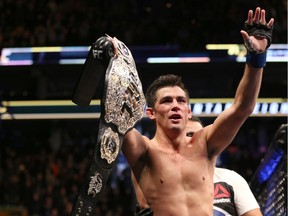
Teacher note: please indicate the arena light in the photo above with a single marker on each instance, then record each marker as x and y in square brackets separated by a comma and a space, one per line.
[264, 107]
[48, 109]
[66, 109]
[71, 61]
[232, 49]
[161, 60]
[43, 55]
[275, 53]
[143, 54]
[272, 56]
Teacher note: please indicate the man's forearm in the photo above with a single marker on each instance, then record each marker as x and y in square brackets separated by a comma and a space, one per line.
[248, 89]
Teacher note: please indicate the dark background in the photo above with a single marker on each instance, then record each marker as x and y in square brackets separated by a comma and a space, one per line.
[43, 162]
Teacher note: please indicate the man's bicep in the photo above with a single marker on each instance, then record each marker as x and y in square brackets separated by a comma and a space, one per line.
[134, 147]
[223, 130]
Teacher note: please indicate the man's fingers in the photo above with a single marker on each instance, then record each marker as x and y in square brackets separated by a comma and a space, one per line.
[270, 23]
[262, 17]
[257, 15]
[250, 17]
[244, 35]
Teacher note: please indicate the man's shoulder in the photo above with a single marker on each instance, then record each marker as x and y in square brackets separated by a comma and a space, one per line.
[226, 175]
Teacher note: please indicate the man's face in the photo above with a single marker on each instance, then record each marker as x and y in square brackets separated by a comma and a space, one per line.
[192, 127]
[171, 109]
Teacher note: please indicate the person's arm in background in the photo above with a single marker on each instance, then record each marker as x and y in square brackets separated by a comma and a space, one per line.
[141, 200]
[253, 212]
[245, 201]
[142, 208]
[240, 195]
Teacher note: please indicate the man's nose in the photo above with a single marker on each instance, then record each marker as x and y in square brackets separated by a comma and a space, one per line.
[175, 105]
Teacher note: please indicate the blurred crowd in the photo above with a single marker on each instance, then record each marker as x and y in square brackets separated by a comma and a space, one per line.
[42, 168]
[187, 24]
[43, 164]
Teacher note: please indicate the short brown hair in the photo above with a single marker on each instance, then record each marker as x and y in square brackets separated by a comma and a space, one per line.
[196, 119]
[161, 82]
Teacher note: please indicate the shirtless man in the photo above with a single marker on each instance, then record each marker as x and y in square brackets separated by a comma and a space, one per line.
[176, 174]
[239, 199]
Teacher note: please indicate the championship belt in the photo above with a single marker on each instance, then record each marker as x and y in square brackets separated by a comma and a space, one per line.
[122, 106]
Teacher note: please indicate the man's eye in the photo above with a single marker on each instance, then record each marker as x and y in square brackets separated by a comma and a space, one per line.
[182, 100]
[189, 134]
[166, 101]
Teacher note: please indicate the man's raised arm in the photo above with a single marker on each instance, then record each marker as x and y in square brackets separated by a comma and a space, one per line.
[257, 36]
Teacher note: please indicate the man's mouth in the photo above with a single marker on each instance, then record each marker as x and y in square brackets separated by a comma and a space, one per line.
[175, 116]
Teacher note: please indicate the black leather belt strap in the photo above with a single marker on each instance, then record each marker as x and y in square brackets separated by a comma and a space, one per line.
[122, 106]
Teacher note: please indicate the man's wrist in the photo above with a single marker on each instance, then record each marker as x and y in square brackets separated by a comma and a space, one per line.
[256, 60]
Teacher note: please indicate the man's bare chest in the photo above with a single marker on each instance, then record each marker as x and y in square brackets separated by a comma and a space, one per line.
[183, 168]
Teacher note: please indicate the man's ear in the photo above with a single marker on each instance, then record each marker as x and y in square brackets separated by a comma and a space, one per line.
[190, 113]
[150, 113]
